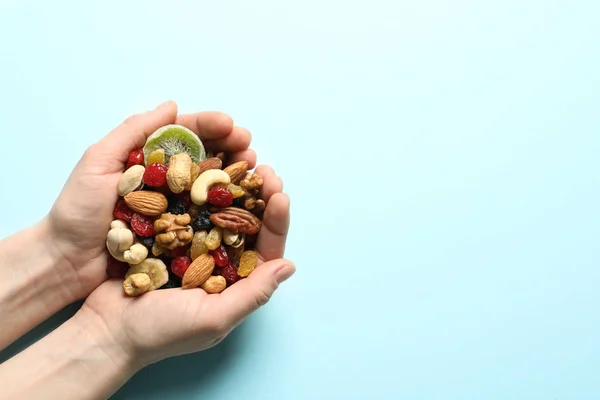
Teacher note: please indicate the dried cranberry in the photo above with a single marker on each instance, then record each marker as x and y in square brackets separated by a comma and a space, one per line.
[116, 268]
[156, 175]
[220, 197]
[122, 211]
[179, 265]
[220, 256]
[142, 225]
[136, 157]
[230, 274]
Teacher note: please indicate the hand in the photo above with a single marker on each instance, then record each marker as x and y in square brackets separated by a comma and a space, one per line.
[81, 217]
[169, 322]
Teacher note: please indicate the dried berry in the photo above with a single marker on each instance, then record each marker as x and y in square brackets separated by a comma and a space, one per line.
[220, 256]
[169, 285]
[116, 268]
[230, 274]
[202, 221]
[220, 197]
[217, 271]
[175, 206]
[142, 225]
[178, 252]
[147, 241]
[122, 211]
[185, 199]
[238, 202]
[136, 157]
[179, 265]
[236, 190]
[248, 262]
[156, 175]
[213, 240]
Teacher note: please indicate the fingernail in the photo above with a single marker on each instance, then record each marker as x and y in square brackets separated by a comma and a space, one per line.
[284, 272]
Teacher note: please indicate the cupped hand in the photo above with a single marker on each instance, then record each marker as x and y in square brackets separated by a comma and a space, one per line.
[170, 322]
[81, 217]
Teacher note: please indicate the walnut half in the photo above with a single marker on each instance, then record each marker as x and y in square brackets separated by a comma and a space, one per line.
[173, 230]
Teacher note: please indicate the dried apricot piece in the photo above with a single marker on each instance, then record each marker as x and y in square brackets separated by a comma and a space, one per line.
[248, 262]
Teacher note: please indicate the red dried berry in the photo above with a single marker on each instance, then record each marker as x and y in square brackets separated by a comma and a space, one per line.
[156, 175]
[230, 274]
[116, 268]
[220, 197]
[216, 271]
[179, 265]
[220, 256]
[142, 225]
[185, 199]
[136, 157]
[122, 211]
[178, 252]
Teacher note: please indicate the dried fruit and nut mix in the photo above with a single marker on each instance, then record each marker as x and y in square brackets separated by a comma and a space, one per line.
[181, 219]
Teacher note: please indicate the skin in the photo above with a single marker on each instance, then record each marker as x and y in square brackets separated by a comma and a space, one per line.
[112, 336]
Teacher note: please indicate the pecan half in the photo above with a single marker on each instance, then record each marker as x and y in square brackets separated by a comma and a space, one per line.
[236, 220]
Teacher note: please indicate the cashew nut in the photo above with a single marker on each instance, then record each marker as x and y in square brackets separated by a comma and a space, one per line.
[208, 178]
[131, 180]
[120, 244]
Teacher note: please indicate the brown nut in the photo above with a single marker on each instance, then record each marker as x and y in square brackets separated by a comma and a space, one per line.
[251, 182]
[173, 230]
[147, 203]
[179, 175]
[210, 163]
[195, 173]
[214, 284]
[251, 203]
[198, 272]
[237, 171]
[236, 220]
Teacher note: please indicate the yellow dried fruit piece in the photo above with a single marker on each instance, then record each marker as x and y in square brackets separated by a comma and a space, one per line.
[198, 247]
[248, 262]
[236, 190]
[213, 240]
[157, 156]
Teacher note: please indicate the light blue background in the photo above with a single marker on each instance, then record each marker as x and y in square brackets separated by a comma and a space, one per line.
[441, 156]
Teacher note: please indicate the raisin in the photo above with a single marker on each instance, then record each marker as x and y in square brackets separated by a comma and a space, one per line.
[220, 256]
[248, 262]
[216, 271]
[176, 206]
[122, 211]
[180, 251]
[202, 221]
[156, 175]
[213, 240]
[142, 225]
[220, 197]
[136, 157]
[179, 265]
[185, 199]
[116, 268]
[198, 246]
[169, 285]
[238, 202]
[147, 241]
[230, 274]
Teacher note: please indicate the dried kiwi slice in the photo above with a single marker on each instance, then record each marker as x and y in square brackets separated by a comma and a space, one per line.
[175, 139]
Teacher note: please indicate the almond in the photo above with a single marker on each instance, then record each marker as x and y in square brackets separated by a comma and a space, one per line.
[198, 272]
[214, 284]
[237, 171]
[210, 163]
[147, 203]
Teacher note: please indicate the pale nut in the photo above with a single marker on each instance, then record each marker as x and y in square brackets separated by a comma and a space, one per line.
[147, 203]
[136, 254]
[237, 171]
[214, 284]
[199, 192]
[131, 180]
[154, 268]
[230, 237]
[179, 174]
[119, 240]
[137, 284]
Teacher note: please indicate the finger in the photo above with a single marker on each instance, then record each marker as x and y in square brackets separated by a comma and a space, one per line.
[245, 155]
[272, 237]
[239, 139]
[272, 183]
[207, 125]
[132, 133]
[246, 296]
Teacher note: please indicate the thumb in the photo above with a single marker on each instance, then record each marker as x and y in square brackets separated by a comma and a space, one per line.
[248, 295]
